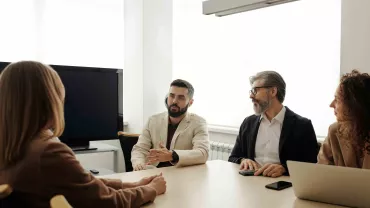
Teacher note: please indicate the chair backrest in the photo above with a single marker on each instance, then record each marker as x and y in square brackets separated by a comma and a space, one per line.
[59, 201]
[127, 142]
[5, 191]
[9, 198]
[318, 147]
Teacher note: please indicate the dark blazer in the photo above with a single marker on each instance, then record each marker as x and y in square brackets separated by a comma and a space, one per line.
[297, 140]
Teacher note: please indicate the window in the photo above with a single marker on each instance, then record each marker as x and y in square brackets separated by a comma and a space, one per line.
[18, 35]
[67, 32]
[83, 32]
[300, 40]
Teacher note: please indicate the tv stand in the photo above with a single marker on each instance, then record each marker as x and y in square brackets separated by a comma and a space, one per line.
[98, 147]
[78, 145]
[83, 148]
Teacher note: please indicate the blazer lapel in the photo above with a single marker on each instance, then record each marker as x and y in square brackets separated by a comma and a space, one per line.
[182, 126]
[253, 137]
[163, 126]
[287, 127]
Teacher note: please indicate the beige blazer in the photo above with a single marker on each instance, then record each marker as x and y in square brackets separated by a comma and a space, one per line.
[190, 141]
[338, 151]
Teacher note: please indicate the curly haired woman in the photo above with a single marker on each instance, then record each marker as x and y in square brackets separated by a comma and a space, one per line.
[348, 141]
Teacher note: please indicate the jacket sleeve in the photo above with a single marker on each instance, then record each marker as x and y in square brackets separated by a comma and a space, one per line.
[308, 147]
[141, 149]
[325, 155]
[117, 183]
[237, 153]
[199, 153]
[311, 147]
[64, 175]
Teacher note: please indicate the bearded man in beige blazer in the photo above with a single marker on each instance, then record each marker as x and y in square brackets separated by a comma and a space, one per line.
[173, 138]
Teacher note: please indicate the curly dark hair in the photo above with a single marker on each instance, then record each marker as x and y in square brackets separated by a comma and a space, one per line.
[354, 93]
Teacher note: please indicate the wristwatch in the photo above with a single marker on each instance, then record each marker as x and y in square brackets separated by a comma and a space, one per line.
[175, 157]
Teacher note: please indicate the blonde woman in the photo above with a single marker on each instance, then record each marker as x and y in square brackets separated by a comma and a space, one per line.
[35, 163]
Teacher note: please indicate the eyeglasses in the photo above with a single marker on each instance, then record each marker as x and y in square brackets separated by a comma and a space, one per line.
[253, 91]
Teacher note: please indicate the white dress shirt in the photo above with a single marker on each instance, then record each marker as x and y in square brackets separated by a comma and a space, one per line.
[268, 137]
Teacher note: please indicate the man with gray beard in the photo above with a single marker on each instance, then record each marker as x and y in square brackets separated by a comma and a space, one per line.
[274, 134]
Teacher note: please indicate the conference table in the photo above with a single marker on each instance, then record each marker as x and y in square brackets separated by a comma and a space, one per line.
[217, 184]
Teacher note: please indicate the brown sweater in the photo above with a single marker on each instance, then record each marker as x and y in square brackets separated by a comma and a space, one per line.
[338, 151]
[50, 168]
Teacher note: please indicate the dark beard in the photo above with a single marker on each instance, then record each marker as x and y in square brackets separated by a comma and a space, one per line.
[178, 113]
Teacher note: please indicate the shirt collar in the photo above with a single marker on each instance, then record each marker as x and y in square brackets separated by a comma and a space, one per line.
[279, 117]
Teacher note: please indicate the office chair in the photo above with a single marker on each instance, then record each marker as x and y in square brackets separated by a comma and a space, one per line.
[127, 142]
[318, 147]
[5, 191]
[9, 199]
[59, 201]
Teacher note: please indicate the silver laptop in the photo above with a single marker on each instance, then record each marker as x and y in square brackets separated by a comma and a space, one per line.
[330, 184]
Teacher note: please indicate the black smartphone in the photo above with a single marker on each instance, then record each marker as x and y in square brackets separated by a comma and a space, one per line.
[247, 172]
[280, 185]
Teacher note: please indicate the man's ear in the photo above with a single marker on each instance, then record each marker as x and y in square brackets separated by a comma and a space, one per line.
[191, 102]
[165, 100]
[274, 91]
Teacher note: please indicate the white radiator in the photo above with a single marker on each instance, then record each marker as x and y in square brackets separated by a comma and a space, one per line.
[220, 151]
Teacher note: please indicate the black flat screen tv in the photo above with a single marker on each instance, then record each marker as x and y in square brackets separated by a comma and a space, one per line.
[92, 105]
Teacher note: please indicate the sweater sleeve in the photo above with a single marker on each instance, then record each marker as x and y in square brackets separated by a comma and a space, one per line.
[64, 175]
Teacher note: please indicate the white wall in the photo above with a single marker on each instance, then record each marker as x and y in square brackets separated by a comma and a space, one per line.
[148, 59]
[355, 46]
[133, 70]
[223, 137]
[157, 43]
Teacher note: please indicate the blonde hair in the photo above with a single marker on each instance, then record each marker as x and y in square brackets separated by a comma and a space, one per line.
[31, 102]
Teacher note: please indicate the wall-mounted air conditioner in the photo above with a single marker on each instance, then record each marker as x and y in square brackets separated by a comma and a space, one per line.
[226, 7]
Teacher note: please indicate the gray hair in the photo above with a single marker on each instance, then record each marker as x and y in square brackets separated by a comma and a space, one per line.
[272, 78]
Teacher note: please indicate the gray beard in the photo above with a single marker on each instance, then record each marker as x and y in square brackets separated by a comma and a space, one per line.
[261, 108]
